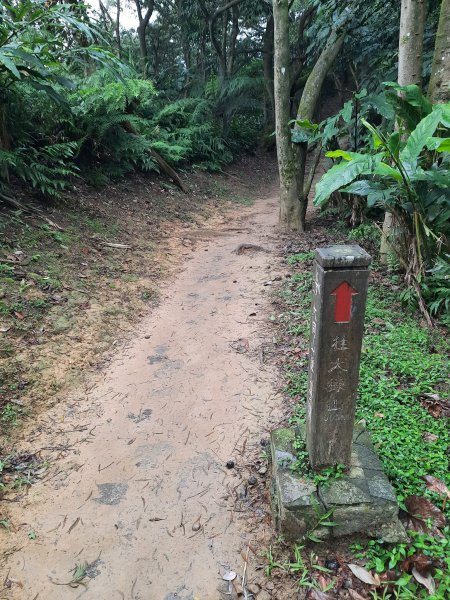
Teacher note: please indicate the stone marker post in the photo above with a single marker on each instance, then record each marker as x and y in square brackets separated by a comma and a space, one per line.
[340, 279]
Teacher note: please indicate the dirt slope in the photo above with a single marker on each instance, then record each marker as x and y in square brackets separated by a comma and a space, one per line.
[140, 490]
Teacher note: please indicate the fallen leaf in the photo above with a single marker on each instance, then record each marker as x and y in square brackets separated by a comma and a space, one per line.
[378, 321]
[436, 485]
[420, 562]
[420, 509]
[379, 414]
[323, 582]
[241, 345]
[318, 595]
[4, 329]
[430, 437]
[19, 315]
[354, 595]
[364, 575]
[229, 576]
[426, 581]
[436, 406]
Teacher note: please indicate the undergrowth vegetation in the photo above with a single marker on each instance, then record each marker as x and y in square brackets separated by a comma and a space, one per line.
[402, 401]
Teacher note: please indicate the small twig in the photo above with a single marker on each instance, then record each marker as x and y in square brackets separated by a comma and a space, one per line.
[245, 573]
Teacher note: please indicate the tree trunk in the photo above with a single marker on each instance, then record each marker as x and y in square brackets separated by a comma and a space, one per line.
[143, 50]
[410, 58]
[439, 87]
[307, 108]
[268, 72]
[410, 48]
[144, 20]
[289, 216]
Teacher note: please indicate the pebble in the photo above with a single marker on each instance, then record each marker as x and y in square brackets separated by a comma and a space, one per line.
[253, 588]
[262, 470]
[252, 480]
[230, 464]
[263, 595]
[242, 491]
[331, 564]
[347, 584]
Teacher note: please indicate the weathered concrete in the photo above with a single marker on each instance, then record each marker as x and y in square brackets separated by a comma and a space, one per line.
[363, 501]
[339, 296]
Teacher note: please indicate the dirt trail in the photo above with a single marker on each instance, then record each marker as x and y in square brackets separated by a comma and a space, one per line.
[141, 491]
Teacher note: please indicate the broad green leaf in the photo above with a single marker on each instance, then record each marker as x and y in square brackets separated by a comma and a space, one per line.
[444, 146]
[298, 136]
[381, 105]
[306, 124]
[361, 94]
[445, 108]
[381, 197]
[377, 139]
[412, 94]
[49, 90]
[394, 144]
[387, 171]
[339, 176]
[363, 187]
[438, 177]
[418, 138]
[344, 154]
[25, 56]
[347, 111]
[9, 64]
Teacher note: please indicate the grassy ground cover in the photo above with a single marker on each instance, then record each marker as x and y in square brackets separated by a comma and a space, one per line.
[403, 398]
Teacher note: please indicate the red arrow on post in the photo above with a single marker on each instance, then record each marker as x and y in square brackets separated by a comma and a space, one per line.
[343, 306]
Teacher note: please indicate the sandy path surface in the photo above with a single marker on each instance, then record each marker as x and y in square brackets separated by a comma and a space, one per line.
[141, 491]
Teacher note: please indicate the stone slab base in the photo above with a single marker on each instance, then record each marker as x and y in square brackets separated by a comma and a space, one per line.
[363, 501]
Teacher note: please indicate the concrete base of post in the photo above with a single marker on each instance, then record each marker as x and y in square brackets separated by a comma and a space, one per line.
[363, 501]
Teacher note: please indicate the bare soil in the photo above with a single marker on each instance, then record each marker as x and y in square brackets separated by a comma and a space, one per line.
[149, 470]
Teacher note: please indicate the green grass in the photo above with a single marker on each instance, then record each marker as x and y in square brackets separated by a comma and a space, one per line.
[400, 361]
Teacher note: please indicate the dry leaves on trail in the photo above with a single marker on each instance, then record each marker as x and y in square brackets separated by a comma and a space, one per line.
[241, 345]
[364, 575]
[318, 595]
[420, 509]
[355, 596]
[436, 406]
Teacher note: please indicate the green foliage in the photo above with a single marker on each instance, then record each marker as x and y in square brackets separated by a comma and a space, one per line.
[405, 172]
[302, 257]
[187, 130]
[400, 362]
[301, 466]
[383, 558]
[46, 169]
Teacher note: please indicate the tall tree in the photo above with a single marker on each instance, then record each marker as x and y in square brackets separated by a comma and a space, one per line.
[307, 108]
[294, 187]
[410, 59]
[144, 10]
[224, 41]
[287, 152]
[410, 48]
[439, 87]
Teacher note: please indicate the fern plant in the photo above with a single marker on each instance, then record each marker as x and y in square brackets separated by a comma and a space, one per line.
[47, 170]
